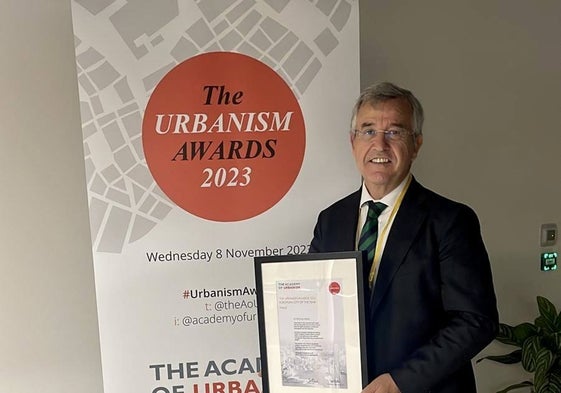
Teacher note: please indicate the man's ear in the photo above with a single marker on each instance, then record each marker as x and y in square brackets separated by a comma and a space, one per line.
[418, 142]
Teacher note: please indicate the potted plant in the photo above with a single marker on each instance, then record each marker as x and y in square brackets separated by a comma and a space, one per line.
[539, 349]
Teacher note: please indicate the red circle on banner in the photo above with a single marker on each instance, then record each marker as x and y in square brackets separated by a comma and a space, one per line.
[334, 288]
[223, 136]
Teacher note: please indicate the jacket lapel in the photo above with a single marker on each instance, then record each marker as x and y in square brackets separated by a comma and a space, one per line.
[407, 223]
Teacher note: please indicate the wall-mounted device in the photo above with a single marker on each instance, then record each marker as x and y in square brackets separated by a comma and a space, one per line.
[548, 235]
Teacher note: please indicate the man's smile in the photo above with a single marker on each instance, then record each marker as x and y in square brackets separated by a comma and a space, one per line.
[380, 160]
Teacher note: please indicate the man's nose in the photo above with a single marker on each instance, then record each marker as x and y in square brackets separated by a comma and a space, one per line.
[379, 141]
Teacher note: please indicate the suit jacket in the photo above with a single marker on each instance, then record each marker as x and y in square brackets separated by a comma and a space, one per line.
[433, 306]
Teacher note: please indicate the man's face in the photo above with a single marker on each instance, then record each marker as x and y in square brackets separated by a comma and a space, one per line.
[384, 163]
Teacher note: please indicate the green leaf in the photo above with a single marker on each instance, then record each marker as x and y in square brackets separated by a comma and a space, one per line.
[515, 335]
[544, 360]
[530, 351]
[555, 381]
[551, 384]
[510, 358]
[552, 342]
[548, 314]
[546, 308]
[556, 338]
[545, 324]
[506, 335]
[516, 386]
[524, 331]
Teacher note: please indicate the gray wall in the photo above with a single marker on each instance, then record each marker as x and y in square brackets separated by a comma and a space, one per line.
[488, 74]
[48, 334]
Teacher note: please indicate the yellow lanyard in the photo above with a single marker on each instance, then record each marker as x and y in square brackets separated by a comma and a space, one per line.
[378, 251]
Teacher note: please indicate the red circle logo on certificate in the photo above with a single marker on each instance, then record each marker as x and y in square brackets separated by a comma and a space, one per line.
[334, 288]
[223, 136]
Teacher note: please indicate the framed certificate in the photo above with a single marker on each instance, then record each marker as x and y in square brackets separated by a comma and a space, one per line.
[311, 322]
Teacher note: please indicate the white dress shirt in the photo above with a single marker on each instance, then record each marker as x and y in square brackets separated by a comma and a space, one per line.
[385, 220]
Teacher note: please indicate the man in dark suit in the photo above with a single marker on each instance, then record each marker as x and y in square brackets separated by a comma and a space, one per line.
[430, 303]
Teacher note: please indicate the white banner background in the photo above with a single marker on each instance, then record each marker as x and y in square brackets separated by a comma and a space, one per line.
[123, 49]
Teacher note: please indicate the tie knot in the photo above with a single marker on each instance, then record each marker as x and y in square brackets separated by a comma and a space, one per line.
[375, 209]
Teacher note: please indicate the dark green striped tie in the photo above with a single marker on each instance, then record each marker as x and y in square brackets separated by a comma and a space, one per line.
[369, 233]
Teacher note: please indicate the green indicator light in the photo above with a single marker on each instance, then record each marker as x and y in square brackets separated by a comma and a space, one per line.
[548, 261]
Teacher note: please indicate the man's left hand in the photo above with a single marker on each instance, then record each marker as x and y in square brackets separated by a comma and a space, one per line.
[382, 384]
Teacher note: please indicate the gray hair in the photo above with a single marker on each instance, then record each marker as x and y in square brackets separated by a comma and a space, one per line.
[385, 91]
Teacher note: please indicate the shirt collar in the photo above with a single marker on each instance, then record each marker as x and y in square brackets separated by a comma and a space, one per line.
[389, 200]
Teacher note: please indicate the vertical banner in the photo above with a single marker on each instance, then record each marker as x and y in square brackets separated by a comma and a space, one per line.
[214, 132]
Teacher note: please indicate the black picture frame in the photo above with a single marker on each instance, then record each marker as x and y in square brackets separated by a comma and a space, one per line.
[290, 291]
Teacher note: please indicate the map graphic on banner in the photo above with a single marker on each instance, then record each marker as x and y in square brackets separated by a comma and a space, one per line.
[214, 131]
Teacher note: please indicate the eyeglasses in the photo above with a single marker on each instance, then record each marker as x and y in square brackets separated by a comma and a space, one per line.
[389, 135]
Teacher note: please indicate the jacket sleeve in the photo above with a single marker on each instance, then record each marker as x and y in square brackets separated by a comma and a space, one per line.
[463, 336]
